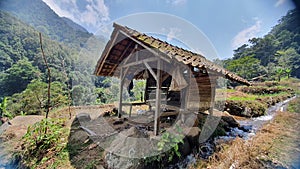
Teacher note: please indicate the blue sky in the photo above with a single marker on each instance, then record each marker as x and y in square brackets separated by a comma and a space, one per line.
[224, 25]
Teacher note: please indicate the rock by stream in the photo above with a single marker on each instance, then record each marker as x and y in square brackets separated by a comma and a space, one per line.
[246, 129]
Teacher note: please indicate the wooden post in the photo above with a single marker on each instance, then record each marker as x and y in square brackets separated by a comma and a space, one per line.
[130, 110]
[213, 94]
[120, 92]
[186, 97]
[157, 101]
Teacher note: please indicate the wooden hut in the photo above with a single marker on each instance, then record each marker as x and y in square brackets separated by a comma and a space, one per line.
[130, 54]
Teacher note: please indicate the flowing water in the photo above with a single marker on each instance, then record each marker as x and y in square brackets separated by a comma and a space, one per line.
[247, 129]
[253, 124]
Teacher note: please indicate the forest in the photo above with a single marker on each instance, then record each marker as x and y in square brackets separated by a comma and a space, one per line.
[71, 54]
[273, 56]
[47, 64]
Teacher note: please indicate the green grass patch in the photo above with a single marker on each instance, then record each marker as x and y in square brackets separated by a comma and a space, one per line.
[294, 105]
[243, 98]
[275, 94]
[43, 141]
[225, 90]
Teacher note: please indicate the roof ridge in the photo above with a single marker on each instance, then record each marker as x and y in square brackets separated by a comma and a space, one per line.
[185, 50]
[175, 52]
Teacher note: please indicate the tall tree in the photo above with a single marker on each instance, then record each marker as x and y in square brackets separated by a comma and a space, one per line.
[17, 77]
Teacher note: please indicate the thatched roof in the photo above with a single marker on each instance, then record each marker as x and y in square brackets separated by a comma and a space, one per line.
[123, 41]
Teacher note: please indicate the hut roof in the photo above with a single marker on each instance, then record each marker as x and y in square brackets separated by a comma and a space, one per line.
[123, 41]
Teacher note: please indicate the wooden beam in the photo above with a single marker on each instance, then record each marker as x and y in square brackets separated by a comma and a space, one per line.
[111, 46]
[127, 47]
[146, 47]
[124, 73]
[120, 93]
[133, 50]
[157, 101]
[140, 62]
[165, 77]
[150, 69]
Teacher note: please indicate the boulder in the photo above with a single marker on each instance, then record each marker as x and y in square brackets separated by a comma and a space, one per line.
[10, 134]
[185, 148]
[230, 121]
[83, 117]
[192, 135]
[128, 149]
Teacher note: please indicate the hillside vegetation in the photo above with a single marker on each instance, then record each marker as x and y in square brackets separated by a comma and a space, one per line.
[72, 53]
[23, 77]
[37, 14]
[273, 56]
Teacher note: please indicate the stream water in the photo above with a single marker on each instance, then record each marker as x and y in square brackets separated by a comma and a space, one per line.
[247, 129]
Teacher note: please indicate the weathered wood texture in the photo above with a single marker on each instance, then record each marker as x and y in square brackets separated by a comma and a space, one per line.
[124, 39]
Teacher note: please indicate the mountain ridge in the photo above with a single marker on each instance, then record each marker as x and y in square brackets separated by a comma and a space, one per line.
[40, 16]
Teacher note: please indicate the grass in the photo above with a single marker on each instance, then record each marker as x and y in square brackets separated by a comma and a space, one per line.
[270, 144]
[294, 105]
[243, 98]
[273, 146]
[225, 90]
[44, 148]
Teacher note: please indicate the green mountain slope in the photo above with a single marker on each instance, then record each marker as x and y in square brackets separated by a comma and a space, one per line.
[20, 42]
[274, 55]
[23, 70]
[37, 14]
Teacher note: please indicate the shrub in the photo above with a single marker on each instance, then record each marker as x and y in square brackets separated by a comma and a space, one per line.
[294, 105]
[261, 90]
[168, 148]
[42, 141]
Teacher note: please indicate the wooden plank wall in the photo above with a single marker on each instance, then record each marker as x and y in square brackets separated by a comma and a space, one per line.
[201, 92]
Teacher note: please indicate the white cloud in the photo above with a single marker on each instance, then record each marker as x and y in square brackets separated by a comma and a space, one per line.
[176, 2]
[279, 2]
[91, 14]
[243, 36]
[172, 33]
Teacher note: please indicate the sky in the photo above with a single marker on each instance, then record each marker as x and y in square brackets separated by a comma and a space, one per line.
[208, 27]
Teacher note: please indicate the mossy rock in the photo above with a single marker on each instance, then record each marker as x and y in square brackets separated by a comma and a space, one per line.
[251, 108]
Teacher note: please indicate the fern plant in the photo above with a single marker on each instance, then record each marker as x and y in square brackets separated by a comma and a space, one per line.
[38, 144]
[3, 109]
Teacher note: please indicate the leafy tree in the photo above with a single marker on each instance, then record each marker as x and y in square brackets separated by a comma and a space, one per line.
[278, 51]
[247, 67]
[16, 78]
[83, 95]
[288, 72]
[240, 51]
[289, 60]
[33, 100]
[138, 89]
[279, 72]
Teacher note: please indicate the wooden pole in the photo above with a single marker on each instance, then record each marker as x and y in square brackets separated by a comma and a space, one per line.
[185, 96]
[49, 77]
[213, 94]
[157, 101]
[120, 93]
